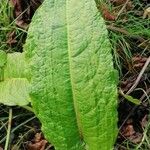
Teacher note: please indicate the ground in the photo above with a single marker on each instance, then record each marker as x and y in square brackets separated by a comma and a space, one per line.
[128, 23]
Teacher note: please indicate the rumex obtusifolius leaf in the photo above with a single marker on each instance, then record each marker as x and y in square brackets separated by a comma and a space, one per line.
[73, 82]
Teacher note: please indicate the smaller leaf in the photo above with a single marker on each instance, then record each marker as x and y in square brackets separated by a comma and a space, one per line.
[131, 99]
[14, 91]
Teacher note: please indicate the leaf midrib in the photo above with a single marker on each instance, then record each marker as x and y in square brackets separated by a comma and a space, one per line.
[71, 74]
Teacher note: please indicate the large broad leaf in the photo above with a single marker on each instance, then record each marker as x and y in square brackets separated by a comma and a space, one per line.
[14, 88]
[73, 80]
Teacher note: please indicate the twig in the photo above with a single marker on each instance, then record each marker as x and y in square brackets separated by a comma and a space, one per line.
[23, 123]
[8, 130]
[139, 76]
[122, 9]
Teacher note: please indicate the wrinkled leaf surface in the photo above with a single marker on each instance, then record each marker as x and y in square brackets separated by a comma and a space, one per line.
[72, 76]
[14, 88]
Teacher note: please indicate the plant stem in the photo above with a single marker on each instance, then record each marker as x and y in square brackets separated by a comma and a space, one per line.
[139, 76]
[122, 9]
[8, 130]
[28, 108]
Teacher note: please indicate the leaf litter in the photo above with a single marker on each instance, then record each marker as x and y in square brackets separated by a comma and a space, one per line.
[38, 143]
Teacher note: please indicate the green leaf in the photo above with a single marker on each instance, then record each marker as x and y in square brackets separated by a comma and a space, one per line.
[16, 66]
[73, 82]
[14, 87]
[131, 99]
[14, 92]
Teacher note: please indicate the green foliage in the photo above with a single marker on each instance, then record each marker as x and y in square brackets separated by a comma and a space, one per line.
[73, 82]
[14, 86]
[133, 100]
[7, 26]
[11, 36]
[16, 66]
[14, 92]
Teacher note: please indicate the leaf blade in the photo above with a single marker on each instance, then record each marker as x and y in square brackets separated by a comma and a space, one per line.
[14, 92]
[51, 86]
[14, 86]
[57, 71]
[93, 76]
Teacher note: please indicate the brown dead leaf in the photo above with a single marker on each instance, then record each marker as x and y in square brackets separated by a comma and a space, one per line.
[117, 2]
[11, 38]
[37, 146]
[121, 2]
[127, 83]
[38, 143]
[24, 10]
[22, 24]
[138, 62]
[128, 131]
[21, 9]
[106, 13]
[139, 58]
